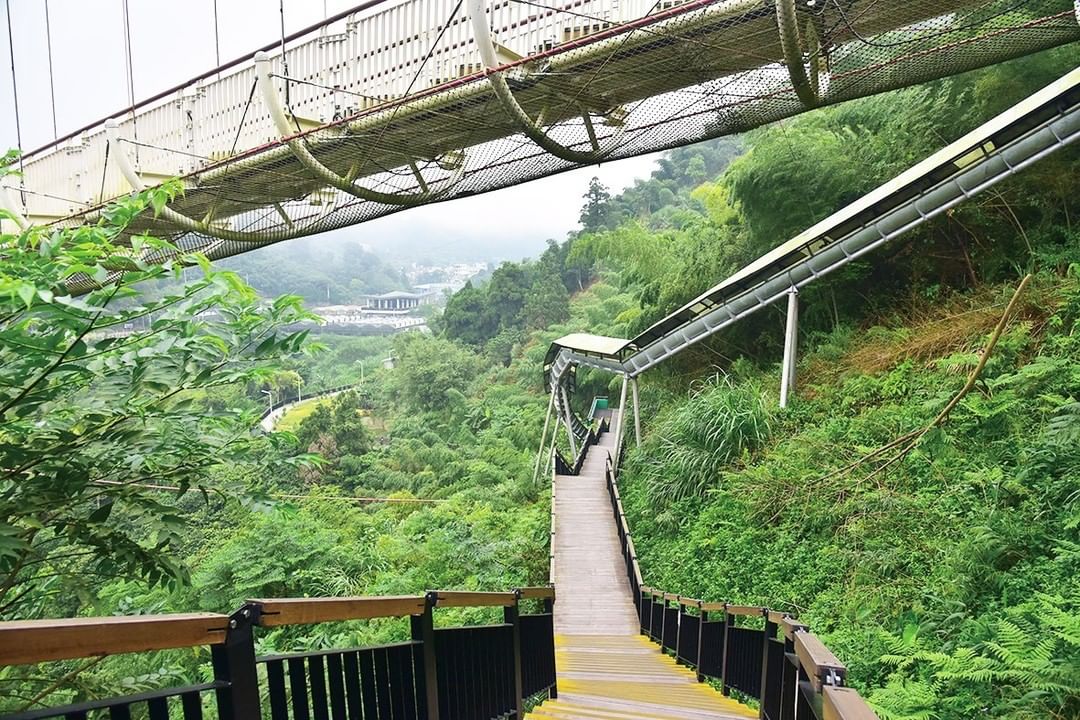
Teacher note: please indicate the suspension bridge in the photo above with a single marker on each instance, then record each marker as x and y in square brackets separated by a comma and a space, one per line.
[394, 105]
[398, 103]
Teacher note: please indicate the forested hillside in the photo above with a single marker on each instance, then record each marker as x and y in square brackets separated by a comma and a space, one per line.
[947, 579]
[318, 271]
[944, 575]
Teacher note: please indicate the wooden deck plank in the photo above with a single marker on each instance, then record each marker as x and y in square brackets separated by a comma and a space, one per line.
[606, 669]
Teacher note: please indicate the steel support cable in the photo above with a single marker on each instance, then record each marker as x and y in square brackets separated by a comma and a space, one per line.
[130, 75]
[217, 39]
[787, 22]
[344, 183]
[112, 131]
[6, 203]
[52, 86]
[521, 119]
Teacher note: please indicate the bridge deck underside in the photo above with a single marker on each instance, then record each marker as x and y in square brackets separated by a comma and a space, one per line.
[605, 668]
[699, 70]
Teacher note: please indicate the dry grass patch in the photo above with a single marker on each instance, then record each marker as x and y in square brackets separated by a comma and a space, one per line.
[930, 331]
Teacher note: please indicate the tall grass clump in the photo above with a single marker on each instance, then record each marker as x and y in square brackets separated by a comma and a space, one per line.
[721, 424]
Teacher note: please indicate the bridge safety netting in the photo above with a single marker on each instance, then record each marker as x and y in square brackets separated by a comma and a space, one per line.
[389, 111]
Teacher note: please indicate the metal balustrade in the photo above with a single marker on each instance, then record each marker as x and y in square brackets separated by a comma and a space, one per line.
[763, 654]
[454, 673]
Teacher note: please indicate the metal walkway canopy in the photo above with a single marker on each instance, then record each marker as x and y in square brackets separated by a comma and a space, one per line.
[1019, 137]
[403, 102]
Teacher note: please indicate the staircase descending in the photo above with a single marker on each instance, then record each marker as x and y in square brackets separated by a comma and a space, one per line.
[605, 668]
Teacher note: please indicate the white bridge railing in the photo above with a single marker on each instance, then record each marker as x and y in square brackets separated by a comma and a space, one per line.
[397, 103]
[353, 63]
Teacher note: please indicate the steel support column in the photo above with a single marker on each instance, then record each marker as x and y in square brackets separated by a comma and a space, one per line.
[637, 415]
[620, 424]
[791, 343]
[543, 435]
[567, 420]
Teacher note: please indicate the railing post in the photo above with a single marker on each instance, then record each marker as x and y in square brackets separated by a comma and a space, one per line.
[728, 617]
[703, 617]
[789, 689]
[512, 617]
[663, 620]
[423, 631]
[678, 625]
[234, 663]
[770, 632]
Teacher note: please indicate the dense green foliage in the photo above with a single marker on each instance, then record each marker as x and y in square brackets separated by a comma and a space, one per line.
[947, 581]
[90, 418]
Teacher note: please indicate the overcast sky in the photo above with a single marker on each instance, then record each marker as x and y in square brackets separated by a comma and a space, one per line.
[174, 41]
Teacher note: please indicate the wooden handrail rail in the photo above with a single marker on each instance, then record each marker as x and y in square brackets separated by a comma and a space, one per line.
[817, 660]
[537, 593]
[790, 626]
[32, 641]
[843, 703]
[275, 612]
[746, 610]
[459, 598]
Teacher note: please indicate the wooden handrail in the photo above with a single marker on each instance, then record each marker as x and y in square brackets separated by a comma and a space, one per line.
[790, 626]
[537, 593]
[458, 598]
[33, 641]
[275, 612]
[817, 660]
[843, 703]
[746, 610]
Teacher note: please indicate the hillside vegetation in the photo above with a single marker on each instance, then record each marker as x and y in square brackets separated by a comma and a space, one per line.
[946, 580]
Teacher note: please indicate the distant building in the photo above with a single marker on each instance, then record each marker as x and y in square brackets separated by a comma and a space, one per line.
[397, 302]
[361, 315]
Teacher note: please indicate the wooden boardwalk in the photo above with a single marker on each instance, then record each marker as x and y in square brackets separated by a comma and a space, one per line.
[606, 669]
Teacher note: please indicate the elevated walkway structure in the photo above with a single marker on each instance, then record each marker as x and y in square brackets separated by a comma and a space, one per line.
[1034, 128]
[610, 649]
[398, 103]
[605, 669]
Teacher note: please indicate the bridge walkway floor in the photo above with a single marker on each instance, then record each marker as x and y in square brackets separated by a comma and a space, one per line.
[606, 670]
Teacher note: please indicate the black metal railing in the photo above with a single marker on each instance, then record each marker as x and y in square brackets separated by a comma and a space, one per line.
[762, 654]
[592, 437]
[456, 673]
[373, 682]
